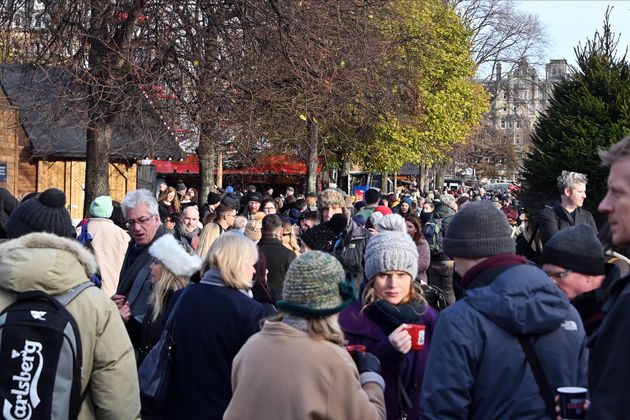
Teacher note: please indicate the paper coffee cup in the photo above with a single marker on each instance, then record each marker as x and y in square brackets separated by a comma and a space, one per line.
[416, 332]
[572, 400]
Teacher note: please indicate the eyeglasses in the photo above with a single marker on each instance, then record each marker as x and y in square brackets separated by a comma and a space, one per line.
[269, 208]
[560, 275]
[141, 220]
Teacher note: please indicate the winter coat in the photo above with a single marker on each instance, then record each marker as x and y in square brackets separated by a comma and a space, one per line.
[109, 243]
[283, 373]
[49, 263]
[589, 305]
[212, 324]
[278, 258]
[135, 277]
[477, 368]
[359, 328]
[8, 203]
[424, 260]
[555, 218]
[609, 367]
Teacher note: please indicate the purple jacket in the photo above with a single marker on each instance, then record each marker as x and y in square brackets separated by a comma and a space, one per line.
[360, 329]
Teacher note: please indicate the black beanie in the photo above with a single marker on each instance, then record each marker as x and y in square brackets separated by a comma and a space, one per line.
[45, 213]
[575, 248]
[213, 198]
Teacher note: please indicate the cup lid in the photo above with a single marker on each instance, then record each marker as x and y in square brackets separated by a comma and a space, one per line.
[572, 390]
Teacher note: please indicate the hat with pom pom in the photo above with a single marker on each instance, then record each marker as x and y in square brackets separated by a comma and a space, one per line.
[45, 213]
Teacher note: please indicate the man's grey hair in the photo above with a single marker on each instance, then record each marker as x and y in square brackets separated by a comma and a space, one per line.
[448, 200]
[134, 198]
[616, 152]
[568, 180]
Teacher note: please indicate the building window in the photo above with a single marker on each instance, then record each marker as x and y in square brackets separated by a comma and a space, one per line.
[503, 123]
[517, 124]
[505, 94]
[504, 109]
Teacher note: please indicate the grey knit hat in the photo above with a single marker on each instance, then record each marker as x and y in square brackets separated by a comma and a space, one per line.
[575, 248]
[479, 230]
[316, 286]
[391, 251]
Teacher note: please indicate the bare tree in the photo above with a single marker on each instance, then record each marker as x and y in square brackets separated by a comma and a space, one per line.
[501, 33]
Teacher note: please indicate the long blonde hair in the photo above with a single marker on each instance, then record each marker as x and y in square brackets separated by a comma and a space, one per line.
[208, 235]
[175, 202]
[229, 254]
[326, 328]
[166, 283]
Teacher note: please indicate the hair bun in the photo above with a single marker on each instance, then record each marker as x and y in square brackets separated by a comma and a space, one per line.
[53, 197]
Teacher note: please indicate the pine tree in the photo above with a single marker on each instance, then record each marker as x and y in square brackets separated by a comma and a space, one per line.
[589, 110]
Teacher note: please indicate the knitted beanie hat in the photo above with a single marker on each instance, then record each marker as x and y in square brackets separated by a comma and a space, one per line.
[45, 213]
[180, 186]
[391, 222]
[406, 200]
[255, 196]
[479, 230]
[168, 250]
[575, 248]
[391, 251]
[102, 207]
[213, 198]
[315, 286]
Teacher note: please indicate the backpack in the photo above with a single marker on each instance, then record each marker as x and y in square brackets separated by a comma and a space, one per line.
[432, 231]
[86, 240]
[40, 357]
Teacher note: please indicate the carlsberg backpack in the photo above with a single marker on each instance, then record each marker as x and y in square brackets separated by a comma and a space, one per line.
[432, 230]
[40, 357]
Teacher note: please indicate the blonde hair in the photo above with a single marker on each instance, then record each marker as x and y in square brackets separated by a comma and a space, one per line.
[370, 296]
[326, 328]
[174, 202]
[167, 282]
[208, 235]
[229, 254]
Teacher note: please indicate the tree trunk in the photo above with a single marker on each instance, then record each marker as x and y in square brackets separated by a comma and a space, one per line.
[99, 138]
[440, 172]
[206, 152]
[312, 132]
[422, 177]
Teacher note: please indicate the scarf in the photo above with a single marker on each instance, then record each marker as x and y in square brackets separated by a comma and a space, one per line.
[213, 278]
[501, 260]
[389, 317]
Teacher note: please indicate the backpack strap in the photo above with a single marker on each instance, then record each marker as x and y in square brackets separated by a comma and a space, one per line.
[69, 296]
[539, 374]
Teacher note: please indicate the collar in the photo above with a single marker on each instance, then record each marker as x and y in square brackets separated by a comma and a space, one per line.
[496, 261]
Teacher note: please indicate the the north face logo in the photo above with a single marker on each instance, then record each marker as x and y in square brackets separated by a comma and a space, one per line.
[569, 325]
[39, 315]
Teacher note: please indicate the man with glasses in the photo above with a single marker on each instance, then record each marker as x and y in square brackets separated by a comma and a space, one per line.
[140, 209]
[574, 259]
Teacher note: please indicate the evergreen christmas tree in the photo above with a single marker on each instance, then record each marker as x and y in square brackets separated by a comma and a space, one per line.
[590, 110]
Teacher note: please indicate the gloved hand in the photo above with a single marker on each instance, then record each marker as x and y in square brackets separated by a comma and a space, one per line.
[366, 362]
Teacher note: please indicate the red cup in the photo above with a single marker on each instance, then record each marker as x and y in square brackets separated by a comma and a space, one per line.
[352, 347]
[416, 332]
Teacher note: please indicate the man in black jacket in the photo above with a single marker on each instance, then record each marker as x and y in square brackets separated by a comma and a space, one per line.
[277, 256]
[8, 203]
[609, 367]
[441, 267]
[567, 211]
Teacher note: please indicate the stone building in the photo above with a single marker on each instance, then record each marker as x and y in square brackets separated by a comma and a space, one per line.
[520, 97]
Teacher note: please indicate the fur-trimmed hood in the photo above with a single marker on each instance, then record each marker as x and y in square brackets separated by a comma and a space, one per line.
[174, 257]
[43, 261]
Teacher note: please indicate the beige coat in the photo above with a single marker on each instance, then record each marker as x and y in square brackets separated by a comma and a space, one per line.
[43, 261]
[110, 244]
[282, 373]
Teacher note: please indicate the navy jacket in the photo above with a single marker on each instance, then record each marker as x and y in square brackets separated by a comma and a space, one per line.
[212, 324]
[477, 368]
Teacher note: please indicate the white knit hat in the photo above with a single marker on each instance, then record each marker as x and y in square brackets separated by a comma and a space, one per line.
[391, 251]
[167, 250]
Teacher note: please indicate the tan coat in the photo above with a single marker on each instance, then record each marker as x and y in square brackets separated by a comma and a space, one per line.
[110, 244]
[282, 373]
[42, 261]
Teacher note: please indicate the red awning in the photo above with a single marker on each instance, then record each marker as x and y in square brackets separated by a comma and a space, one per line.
[278, 165]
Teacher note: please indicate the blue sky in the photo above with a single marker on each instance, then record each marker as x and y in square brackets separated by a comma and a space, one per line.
[569, 22]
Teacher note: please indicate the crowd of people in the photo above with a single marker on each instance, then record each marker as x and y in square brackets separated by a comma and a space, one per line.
[446, 304]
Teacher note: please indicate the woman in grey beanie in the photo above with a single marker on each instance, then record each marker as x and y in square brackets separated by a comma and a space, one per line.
[390, 301]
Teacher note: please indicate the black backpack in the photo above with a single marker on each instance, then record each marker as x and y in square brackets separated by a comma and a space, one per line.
[40, 357]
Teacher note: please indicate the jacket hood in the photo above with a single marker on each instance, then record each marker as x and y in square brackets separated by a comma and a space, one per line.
[46, 262]
[521, 300]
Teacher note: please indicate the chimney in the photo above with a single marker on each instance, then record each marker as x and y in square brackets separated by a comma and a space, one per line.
[498, 71]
